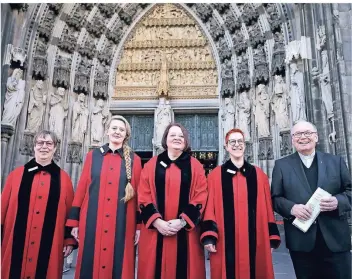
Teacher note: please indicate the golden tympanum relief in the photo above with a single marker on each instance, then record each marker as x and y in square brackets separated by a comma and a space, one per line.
[166, 55]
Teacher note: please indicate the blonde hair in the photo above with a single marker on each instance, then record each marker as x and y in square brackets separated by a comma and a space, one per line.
[129, 191]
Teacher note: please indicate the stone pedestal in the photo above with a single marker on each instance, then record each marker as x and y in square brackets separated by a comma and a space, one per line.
[285, 144]
[7, 131]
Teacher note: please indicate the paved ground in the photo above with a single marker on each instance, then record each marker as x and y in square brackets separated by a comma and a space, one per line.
[281, 260]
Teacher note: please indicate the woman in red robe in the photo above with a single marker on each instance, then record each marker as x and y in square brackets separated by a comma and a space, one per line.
[35, 202]
[239, 227]
[172, 195]
[104, 211]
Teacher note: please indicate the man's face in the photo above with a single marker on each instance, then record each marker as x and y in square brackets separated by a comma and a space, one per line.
[304, 138]
[235, 145]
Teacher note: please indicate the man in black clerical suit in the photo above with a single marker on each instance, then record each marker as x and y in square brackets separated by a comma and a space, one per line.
[324, 250]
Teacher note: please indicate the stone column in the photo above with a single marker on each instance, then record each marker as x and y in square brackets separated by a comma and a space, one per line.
[265, 153]
[74, 158]
[6, 133]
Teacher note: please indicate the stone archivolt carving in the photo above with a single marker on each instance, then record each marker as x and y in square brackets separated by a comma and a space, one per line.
[37, 100]
[216, 30]
[76, 20]
[249, 14]
[40, 64]
[168, 15]
[221, 7]
[58, 112]
[62, 71]
[116, 33]
[321, 37]
[243, 79]
[96, 26]
[98, 119]
[274, 18]
[297, 93]
[101, 83]
[279, 103]
[204, 11]
[82, 77]
[19, 7]
[125, 17]
[106, 54]
[56, 7]
[261, 111]
[15, 92]
[89, 48]
[261, 70]
[228, 86]
[255, 35]
[231, 22]
[79, 119]
[243, 119]
[88, 6]
[46, 26]
[224, 51]
[68, 40]
[18, 55]
[238, 41]
[278, 63]
[107, 9]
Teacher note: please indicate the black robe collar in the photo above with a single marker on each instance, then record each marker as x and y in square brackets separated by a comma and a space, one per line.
[245, 170]
[181, 162]
[106, 149]
[34, 167]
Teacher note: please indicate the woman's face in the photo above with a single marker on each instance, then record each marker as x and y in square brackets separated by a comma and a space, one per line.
[175, 139]
[117, 132]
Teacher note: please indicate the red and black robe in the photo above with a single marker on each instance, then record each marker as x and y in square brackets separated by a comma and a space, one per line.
[35, 203]
[240, 218]
[107, 224]
[170, 190]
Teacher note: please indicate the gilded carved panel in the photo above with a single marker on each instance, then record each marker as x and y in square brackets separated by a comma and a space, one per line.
[166, 49]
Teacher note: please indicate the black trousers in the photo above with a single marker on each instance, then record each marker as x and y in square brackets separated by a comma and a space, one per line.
[321, 263]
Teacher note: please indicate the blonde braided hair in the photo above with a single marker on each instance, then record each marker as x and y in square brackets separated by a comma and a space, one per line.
[129, 191]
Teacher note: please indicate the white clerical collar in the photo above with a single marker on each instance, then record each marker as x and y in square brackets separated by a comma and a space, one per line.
[307, 159]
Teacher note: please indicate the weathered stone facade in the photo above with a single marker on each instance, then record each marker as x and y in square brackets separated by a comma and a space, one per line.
[81, 48]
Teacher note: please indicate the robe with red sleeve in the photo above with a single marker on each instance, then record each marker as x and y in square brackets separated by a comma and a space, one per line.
[35, 203]
[170, 190]
[240, 218]
[107, 224]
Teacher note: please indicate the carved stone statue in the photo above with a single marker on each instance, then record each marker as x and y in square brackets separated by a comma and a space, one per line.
[79, 119]
[99, 116]
[262, 111]
[228, 115]
[163, 116]
[244, 113]
[36, 107]
[324, 79]
[279, 103]
[15, 92]
[163, 85]
[58, 112]
[297, 94]
[321, 37]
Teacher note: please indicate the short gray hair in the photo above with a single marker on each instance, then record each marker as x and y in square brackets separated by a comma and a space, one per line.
[44, 133]
[304, 121]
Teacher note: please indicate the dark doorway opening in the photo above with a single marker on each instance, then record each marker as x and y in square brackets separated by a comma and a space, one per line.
[145, 156]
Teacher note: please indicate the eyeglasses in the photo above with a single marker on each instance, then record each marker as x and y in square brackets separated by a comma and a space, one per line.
[307, 134]
[48, 143]
[233, 142]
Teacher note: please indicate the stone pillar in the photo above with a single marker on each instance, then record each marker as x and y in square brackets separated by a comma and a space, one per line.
[265, 153]
[285, 143]
[74, 158]
[248, 152]
[6, 133]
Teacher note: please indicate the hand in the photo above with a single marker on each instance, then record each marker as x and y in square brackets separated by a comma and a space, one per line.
[210, 247]
[328, 204]
[67, 250]
[164, 228]
[301, 211]
[74, 233]
[136, 237]
[176, 224]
